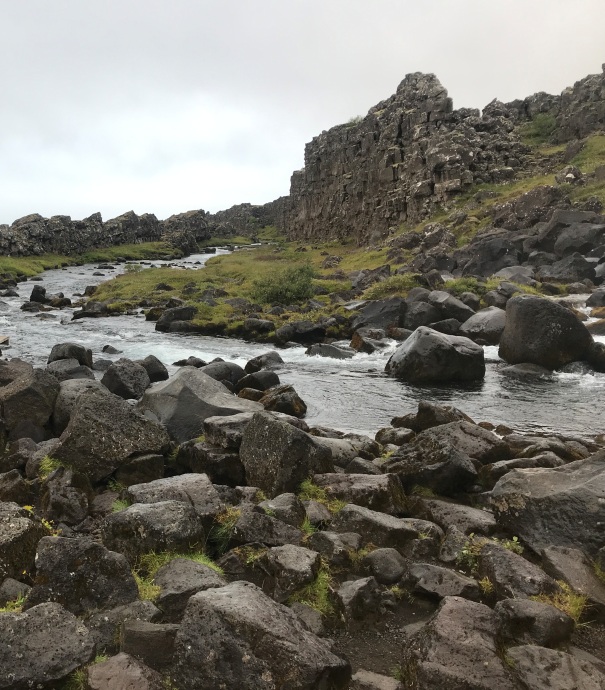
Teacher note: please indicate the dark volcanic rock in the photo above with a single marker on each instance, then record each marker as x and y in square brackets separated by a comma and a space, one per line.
[429, 356]
[126, 378]
[277, 457]
[542, 332]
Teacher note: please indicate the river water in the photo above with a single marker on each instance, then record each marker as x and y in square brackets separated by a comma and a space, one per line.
[350, 395]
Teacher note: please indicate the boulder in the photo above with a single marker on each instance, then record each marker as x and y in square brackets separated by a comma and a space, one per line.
[27, 399]
[183, 402]
[284, 399]
[449, 306]
[123, 672]
[64, 405]
[67, 369]
[486, 325]
[289, 568]
[540, 668]
[542, 332]
[154, 368]
[81, 575]
[381, 314]
[179, 580]
[562, 506]
[458, 648]
[71, 351]
[237, 637]
[532, 622]
[382, 492]
[144, 527]
[386, 565]
[126, 378]
[19, 537]
[227, 373]
[259, 380]
[269, 360]
[105, 432]
[278, 457]
[42, 645]
[436, 581]
[174, 314]
[361, 598]
[105, 626]
[428, 356]
[65, 497]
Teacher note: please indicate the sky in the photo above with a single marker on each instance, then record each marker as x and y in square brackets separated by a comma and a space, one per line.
[164, 106]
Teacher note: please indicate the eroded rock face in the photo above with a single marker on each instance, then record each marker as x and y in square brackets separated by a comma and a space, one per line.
[409, 153]
[238, 637]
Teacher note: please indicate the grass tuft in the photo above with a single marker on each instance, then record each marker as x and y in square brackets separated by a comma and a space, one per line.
[311, 492]
[317, 594]
[567, 600]
[14, 606]
[47, 466]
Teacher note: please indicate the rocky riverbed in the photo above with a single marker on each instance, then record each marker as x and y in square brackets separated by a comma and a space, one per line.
[206, 525]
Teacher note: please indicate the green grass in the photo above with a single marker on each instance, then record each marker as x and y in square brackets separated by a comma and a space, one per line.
[14, 606]
[291, 285]
[119, 504]
[539, 130]
[238, 240]
[311, 492]
[317, 593]
[592, 154]
[394, 285]
[47, 466]
[151, 562]
[29, 266]
[223, 528]
[567, 600]
[307, 527]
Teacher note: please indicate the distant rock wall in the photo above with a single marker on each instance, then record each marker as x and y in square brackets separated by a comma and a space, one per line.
[410, 153]
[413, 152]
[246, 219]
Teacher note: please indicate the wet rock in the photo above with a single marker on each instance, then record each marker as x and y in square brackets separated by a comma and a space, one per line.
[542, 332]
[228, 373]
[486, 325]
[174, 314]
[429, 415]
[105, 432]
[268, 646]
[81, 575]
[51, 643]
[430, 356]
[126, 379]
[82, 354]
[277, 457]
[284, 399]
[261, 380]
[154, 368]
[269, 360]
[183, 402]
[332, 351]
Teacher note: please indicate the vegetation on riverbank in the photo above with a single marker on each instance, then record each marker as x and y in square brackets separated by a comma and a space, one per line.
[28, 266]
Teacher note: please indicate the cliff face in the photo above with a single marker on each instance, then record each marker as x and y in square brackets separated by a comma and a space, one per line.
[413, 152]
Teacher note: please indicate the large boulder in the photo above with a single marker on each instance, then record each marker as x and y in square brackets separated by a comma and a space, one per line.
[237, 637]
[27, 398]
[428, 356]
[183, 402]
[381, 314]
[542, 332]
[277, 457]
[66, 400]
[486, 325]
[81, 575]
[104, 432]
[126, 378]
[19, 537]
[563, 506]
[458, 648]
[41, 645]
[71, 351]
[144, 527]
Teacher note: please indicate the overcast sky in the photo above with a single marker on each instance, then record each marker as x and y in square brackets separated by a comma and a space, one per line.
[168, 105]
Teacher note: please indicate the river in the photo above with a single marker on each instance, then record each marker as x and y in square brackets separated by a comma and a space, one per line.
[350, 395]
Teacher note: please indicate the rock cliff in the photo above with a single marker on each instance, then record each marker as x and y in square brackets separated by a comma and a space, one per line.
[412, 153]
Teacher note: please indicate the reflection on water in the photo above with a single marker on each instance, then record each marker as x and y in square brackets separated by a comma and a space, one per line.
[352, 395]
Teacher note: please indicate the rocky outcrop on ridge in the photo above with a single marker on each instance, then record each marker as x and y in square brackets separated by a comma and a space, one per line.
[414, 152]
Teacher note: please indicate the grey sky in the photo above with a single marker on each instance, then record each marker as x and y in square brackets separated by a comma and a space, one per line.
[168, 105]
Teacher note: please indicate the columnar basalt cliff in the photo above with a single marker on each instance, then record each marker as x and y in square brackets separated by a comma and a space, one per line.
[413, 153]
